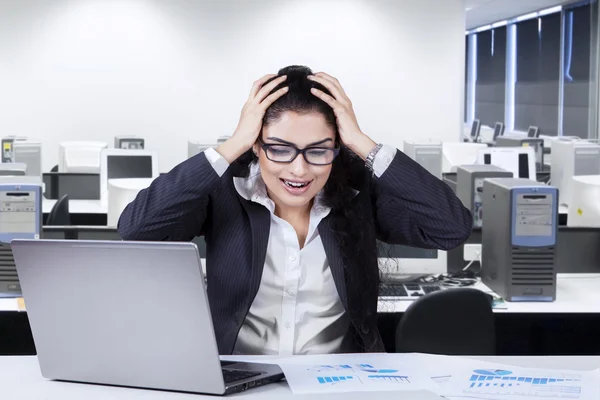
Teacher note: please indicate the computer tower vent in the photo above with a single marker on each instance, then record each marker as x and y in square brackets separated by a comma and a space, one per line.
[8, 272]
[533, 267]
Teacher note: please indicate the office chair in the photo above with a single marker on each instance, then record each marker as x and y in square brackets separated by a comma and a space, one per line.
[59, 215]
[54, 169]
[451, 322]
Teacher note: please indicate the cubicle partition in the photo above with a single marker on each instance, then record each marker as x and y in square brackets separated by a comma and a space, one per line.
[578, 251]
[79, 186]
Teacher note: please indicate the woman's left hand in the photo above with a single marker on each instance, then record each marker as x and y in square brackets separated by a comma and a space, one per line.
[348, 128]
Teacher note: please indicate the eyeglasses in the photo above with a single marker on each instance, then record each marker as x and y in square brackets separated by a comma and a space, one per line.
[286, 153]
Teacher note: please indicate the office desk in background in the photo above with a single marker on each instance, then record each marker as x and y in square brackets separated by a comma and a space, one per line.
[83, 212]
[78, 206]
[568, 326]
[575, 293]
[20, 378]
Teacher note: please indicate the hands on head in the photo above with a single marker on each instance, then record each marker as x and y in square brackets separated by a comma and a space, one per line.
[262, 96]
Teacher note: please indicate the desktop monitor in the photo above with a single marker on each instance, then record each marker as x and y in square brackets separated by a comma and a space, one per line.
[121, 192]
[570, 159]
[475, 129]
[520, 161]
[428, 155]
[119, 164]
[498, 129]
[29, 153]
[584, 209]
[80, 156]
[398, 262]
[455, 154]
[197, 148]
[533, 132]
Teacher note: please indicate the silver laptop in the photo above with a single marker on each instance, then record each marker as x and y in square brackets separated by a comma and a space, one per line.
[128, 314]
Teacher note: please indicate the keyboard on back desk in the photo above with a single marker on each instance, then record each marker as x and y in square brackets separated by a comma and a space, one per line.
[406, 290]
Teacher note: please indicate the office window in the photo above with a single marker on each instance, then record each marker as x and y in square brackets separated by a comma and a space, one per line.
[576, 71]
[538, 73]
[490, 87]
[466, 118]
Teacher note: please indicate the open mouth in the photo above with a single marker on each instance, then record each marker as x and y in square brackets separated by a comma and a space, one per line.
[296, 187]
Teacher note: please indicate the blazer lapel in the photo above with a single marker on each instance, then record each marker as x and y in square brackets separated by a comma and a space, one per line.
[334, 257]
[260, 226]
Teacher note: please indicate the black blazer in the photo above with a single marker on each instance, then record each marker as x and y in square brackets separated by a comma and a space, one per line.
[406, 205]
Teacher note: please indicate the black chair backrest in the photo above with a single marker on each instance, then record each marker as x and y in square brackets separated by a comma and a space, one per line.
[54, 169]
[59, 215]
[456, 321]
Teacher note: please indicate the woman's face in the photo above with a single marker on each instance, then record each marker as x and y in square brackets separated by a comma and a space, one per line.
[295, 184]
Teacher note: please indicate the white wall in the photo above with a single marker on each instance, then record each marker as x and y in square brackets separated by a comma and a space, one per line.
[173, 70]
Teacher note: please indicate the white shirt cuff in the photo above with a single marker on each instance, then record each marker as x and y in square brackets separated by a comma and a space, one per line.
[383, 159]
[217, 161]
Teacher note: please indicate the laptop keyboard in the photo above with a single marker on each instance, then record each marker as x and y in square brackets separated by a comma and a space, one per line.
[235, 375]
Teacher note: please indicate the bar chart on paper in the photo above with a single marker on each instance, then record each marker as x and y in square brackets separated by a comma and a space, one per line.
[347, 377]
[366, 372]
[504, 382]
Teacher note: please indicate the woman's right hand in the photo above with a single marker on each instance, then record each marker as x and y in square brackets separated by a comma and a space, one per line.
[251, 118]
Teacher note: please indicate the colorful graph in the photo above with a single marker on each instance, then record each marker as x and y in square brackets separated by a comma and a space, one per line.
[503, 382]
[323, 380]
[361, 373]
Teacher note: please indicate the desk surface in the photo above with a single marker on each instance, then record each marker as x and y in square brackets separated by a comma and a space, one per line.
[20, 379]
[575, 293]
[78, 206]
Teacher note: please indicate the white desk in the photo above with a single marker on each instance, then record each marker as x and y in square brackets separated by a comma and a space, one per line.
[78, 206]
[575, 293]
[20, 379]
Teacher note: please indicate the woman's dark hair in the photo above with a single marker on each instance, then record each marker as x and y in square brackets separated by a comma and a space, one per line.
[347, 172]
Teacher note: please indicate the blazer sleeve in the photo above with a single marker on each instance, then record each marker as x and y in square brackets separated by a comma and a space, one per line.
[174, 207]
[414, 208]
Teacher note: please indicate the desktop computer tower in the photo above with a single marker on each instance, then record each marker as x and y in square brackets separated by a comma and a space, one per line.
[20, 218]
[29, 153]
[7, 149]
[428, 155]
[469, 186]
[519, 237]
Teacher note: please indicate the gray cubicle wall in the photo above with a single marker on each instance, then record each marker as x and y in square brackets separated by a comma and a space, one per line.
[578, 251]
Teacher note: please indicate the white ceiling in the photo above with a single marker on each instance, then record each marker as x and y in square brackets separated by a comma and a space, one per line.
[484, 12]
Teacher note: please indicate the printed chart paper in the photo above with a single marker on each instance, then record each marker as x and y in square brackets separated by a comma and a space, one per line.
[351, 373]
[514, 383]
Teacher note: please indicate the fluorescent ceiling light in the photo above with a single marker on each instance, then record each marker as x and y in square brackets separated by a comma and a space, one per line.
[526, 16]
[483, 28]
[551, 10]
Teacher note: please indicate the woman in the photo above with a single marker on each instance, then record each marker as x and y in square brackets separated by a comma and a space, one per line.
[291, 207]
